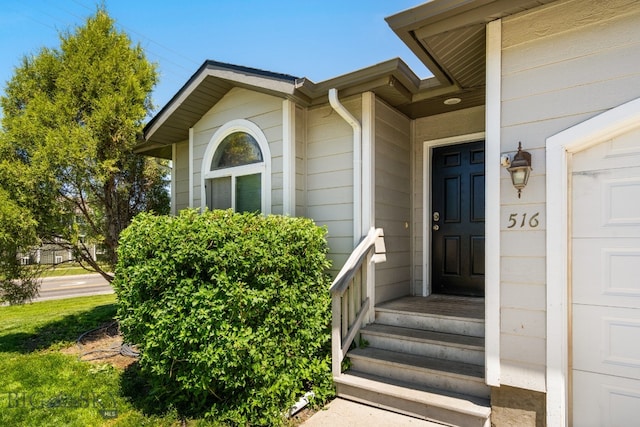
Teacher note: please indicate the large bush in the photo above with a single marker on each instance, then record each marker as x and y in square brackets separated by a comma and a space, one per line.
[230, 311]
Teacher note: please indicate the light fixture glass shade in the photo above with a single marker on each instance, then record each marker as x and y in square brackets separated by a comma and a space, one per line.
[520, 169]
[520, 176]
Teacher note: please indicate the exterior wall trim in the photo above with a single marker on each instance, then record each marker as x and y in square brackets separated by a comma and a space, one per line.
[368, 162]
[413, 216]
[289, 158]
[607, 125]
[493, 124]
[174, 157]
[190, 168]
[369, 186]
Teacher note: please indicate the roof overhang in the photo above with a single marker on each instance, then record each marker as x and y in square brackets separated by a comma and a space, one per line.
[447, 35]
[391, 81]
[203, 90]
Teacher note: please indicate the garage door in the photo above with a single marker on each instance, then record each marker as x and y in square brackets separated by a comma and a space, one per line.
[606, 283]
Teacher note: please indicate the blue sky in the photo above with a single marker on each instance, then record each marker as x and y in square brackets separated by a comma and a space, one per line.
[318, 39]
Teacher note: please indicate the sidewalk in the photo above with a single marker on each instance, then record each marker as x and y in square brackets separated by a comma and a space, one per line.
[344, 413]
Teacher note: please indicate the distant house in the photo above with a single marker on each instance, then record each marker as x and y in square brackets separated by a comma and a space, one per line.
[48, 254]
[53, 254]
[492, 306]
[54, 250]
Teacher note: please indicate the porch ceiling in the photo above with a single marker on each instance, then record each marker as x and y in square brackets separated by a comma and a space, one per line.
[449, 37]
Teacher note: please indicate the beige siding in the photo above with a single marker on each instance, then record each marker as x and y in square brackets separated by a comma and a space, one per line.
[181, 176]
[393, 200]
[445, 125]
[561, 64]
[263, 110]
[329, 167]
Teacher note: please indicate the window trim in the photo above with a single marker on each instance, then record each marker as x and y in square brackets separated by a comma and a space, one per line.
[239, 125]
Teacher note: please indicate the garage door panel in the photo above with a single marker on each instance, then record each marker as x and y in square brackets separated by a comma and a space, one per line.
[619, 152]
[605, 203]
[608, 272]
[605, 340]
[605, 284]
[605, 401]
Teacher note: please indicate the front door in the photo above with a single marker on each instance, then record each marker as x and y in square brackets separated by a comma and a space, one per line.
[457, 219]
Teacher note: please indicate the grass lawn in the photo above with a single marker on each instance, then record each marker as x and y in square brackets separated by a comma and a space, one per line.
[40, 386]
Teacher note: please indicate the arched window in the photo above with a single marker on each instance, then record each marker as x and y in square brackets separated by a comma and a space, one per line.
[236, 175]
[236, 149]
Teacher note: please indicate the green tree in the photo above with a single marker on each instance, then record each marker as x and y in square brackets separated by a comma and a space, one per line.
[17, 235]
[71, 118]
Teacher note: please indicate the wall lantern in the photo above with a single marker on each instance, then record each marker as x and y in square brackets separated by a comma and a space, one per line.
[520, 168]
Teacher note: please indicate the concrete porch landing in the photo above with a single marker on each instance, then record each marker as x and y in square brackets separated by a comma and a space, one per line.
[345, 413]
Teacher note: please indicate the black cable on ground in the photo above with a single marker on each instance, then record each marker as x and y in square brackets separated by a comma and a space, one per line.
[123, 349]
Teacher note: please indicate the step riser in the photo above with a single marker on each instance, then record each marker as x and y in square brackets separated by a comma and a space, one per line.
[417, 372]
[431, 323]
[404, 406]
[440, 380]
[436, 350]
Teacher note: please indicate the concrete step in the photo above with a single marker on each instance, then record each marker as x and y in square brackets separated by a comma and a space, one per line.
[445, 323]
[421, 402]
[453, 376]
[440, 345]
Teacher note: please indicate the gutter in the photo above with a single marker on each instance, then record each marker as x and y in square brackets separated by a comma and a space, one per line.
[357, 161]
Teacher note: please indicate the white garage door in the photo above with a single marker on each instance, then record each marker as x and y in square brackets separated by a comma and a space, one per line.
[606, 284]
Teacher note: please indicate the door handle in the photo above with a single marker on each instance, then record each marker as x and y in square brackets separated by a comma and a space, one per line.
[436, 227]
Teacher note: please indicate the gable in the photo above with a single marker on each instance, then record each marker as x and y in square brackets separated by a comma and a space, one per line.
[209, 84]
[238, 103]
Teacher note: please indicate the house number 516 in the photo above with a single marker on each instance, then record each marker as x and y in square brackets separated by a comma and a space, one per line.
[532, 221]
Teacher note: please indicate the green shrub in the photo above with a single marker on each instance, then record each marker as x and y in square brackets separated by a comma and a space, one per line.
[231, 311]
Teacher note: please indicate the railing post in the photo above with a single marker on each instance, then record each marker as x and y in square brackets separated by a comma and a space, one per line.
[371, 288]
[379, 256]
[336, 335]
[353, 296]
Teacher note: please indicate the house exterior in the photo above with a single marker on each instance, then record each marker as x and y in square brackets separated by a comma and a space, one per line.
[379, 154]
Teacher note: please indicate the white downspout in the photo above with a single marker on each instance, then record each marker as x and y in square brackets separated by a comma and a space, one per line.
[357, 162]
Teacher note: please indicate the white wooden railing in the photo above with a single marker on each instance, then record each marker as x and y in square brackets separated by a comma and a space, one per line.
[353, 295]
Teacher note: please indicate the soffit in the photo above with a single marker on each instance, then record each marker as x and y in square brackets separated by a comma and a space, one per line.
[176, 125]
[391, 80]
[449, 35]
[173, 122]
[394, 82]
[436, 104]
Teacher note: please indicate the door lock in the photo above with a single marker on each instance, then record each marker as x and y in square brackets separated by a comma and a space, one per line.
[436, 216]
